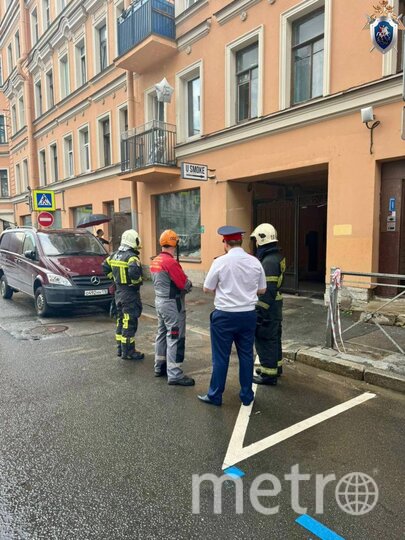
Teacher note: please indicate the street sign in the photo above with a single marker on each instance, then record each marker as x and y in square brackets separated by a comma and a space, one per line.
[194, 171]
[45, 219]
[43, 200]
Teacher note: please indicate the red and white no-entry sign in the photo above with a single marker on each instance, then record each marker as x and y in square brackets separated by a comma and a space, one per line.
[45, 219]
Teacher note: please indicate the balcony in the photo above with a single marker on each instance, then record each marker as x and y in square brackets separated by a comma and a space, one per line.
[146, 35]
[148, 154]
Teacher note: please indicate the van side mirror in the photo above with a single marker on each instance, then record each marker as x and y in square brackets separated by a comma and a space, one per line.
[30, 254]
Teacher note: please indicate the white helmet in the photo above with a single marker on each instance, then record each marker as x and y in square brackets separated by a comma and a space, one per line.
[264, 234]
[131, 238]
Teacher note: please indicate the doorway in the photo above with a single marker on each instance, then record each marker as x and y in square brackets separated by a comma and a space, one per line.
[299, 214]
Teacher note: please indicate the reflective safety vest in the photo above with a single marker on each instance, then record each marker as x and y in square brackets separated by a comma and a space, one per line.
[125, 268]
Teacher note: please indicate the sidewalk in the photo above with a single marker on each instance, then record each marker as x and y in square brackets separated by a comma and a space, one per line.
[370, 356]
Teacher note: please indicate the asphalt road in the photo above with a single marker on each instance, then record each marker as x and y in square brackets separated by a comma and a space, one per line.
[93, 447]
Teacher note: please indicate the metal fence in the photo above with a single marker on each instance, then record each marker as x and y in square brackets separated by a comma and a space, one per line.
[143, 18]
[148, 145]
[343, 284]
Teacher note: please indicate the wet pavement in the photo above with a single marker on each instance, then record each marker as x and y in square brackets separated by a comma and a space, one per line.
[93, 447]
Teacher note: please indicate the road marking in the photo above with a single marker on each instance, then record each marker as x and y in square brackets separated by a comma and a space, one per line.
[317, 528]
[237, 452]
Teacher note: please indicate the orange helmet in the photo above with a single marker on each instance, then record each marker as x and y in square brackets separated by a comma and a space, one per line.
[169, 238]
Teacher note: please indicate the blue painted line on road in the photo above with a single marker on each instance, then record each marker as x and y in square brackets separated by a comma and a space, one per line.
[234, 472]
[316, 528]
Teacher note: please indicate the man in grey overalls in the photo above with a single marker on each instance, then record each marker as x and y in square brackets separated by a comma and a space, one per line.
[171, 285]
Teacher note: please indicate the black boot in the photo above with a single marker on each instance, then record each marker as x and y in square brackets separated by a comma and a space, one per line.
[119, 350]
[129, 352]
[265, 379]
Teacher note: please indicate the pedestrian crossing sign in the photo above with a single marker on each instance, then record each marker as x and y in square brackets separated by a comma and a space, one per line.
[43, 200]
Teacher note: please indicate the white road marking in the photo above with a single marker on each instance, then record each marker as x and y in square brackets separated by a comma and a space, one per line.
[237, 452]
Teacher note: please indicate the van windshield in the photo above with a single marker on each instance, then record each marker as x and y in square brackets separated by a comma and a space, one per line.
[56, 245]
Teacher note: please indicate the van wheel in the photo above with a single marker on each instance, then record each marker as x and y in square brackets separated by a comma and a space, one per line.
[6, 291]
[41, 305]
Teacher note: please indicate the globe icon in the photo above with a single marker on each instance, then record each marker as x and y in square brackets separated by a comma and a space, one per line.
[357, 493]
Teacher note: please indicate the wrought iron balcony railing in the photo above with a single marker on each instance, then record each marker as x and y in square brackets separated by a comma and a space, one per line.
[149, 145]
[142, 19]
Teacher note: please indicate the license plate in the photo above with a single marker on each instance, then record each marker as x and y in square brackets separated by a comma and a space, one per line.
[96, 292]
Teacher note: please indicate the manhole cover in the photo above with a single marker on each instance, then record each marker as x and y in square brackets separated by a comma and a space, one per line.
[47, 329]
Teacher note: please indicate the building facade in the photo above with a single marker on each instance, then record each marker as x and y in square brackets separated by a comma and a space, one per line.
[267, 94]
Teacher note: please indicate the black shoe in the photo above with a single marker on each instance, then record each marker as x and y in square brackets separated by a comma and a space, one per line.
[134, 356]
[119, 351]
[160, 374]
[185, 381]
[206, 399]
[270, 381]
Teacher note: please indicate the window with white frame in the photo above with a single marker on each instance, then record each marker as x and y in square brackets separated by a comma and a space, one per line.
[24, 185]
[244, 74]
[64, 76]
[18, 178]
[50, 95]
[21, 111]
[34, 27]
[68, 153]
[43, 178]
[154, 109]
[105, 141]
[307, 57]
[54, 162]
[101, 46]
[305, 52]
[14, 125]
[46, 14]
[10, 61]
[189, 86]
[3, 134]
[17, 45]
[123, 125]
[84, 144]
[81, 63]
[4, 188]
[38, 99]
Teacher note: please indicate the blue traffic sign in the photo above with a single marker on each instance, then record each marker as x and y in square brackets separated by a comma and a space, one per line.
[43, 200]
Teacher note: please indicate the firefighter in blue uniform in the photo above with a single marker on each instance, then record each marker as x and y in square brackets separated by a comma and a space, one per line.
[124, 267]
[269, 308]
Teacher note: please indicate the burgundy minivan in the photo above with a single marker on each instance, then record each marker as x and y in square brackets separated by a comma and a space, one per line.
[58, 268]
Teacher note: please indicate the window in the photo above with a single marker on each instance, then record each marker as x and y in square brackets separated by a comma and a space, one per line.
[247, 72]
[14, 119]
[81, 67]
[54, 163]
[34, 27]
[46, 14]
[26, 221]
[3, 137]
[307, 57]
[81, 212]
[21, 111]
[24, 186]
[18, 178]
[101, 47]
[180, 211]
[17, 45]
[64, 77]
[84, 149]
[125, 205]
[155, 110]
[38, 99]
[123, 127]
[1, 71]
[10, 58]
[4, 191]
[57, 220]
[68, 148]
[49, 89]
[105, 142]
[43, 180]
[194, 107]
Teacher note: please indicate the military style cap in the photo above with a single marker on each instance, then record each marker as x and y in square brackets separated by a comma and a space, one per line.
[230, 232]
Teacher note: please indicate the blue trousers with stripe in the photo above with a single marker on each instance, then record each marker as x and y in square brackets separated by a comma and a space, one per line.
[228, 328]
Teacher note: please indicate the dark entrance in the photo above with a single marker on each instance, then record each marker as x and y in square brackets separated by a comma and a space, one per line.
[299, 213]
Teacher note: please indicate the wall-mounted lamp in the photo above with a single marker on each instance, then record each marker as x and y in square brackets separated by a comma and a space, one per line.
[367, 116]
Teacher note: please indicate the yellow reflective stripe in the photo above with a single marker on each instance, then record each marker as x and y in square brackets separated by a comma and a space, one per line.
[280, 363]
[263, 305]
[279, 296]
[268, 371]
[272, 279]
[132, 259]
[136, 281]
[283, 266]
[123, 276]
[118, 264]
[110, 275]
[125, 321]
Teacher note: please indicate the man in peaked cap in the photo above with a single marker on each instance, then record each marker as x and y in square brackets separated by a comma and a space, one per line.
[236, 279]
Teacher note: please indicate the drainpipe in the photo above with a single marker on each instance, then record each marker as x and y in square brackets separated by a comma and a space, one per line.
[33, 173]
[131, 125]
